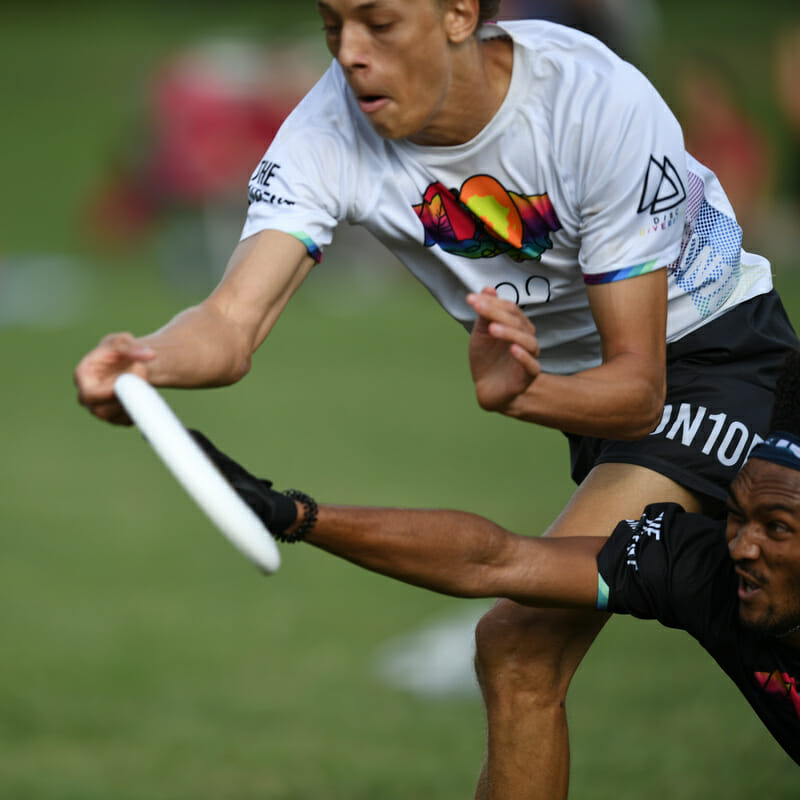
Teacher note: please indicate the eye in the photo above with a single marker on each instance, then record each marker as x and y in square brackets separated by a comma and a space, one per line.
[778, 529]
[331, 23]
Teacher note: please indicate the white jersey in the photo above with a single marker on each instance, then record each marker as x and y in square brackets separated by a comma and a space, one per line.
[580, 178]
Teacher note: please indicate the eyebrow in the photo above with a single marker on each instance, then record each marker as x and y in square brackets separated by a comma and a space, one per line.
[780, 507]
[734, 505]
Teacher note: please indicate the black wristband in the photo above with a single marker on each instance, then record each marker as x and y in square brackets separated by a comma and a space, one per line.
[309, 518]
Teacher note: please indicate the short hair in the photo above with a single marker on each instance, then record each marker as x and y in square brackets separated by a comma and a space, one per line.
[786, 409]
[488, 10]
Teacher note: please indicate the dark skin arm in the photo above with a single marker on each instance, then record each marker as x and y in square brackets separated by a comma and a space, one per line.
[460, 554]
[451, 552]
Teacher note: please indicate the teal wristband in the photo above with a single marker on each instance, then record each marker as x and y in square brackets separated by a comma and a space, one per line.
[602, 593]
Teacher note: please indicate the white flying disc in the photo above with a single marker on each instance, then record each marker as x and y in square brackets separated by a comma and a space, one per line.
[195, 471]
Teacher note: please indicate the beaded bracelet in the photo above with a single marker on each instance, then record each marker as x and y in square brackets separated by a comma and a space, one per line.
[309, 519]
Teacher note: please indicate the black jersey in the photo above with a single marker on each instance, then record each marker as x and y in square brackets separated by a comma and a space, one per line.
[674, 567]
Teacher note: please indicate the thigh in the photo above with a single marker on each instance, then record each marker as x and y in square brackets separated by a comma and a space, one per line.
[612, 492]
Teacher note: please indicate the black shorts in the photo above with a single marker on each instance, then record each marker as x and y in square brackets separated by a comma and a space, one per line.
[720, 384]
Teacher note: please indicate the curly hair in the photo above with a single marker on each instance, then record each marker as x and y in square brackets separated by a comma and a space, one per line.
[786, 410]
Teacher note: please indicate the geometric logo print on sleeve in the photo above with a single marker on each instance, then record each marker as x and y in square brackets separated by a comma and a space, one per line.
[484, 220]
[663, 188]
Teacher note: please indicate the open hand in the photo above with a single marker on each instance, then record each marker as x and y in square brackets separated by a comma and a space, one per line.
[503, 351]
[95, 374]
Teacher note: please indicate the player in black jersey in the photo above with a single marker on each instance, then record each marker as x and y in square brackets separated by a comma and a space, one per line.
[733, 584]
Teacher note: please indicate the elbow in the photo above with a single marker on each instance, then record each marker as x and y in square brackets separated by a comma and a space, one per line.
[632, 432]
[241, 368]
[654, 419]
[225, 367]
[645, 417]
[495, 563]
[238, 359]
[227, 345]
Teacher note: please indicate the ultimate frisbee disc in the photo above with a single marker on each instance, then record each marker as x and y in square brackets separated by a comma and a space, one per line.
[195, 471]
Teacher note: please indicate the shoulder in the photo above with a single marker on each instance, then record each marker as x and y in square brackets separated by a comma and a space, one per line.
[676, 533]
[668, 564]
[325, 105]
[581, 86]
[563, 48]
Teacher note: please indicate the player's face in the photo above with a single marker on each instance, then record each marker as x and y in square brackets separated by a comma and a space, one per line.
[396, 57]
[764, 541]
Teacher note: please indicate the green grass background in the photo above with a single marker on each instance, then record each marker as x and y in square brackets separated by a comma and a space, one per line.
[140, 656]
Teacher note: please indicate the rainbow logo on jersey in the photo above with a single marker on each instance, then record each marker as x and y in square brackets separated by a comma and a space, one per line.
[484, 220]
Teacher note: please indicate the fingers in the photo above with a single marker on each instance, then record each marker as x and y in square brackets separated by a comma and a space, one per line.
[111, 411]
[482, 323]
[493, 308]
[95, 374]
[528, 361]
[504, 320]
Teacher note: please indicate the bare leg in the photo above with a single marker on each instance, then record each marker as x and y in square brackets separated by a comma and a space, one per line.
[526, 657]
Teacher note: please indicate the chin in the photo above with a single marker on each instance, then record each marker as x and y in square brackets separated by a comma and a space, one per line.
[757, 623]
[769, 625]
[398, 126]
[386, 131]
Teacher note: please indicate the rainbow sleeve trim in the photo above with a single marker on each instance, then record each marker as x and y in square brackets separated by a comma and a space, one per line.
[620, 274]
[309, 244]
[602, 593]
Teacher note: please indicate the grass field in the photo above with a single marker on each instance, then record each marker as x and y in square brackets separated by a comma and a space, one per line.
[141, 656]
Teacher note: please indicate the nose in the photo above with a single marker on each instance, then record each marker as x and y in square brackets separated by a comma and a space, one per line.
[743, 546]
[352, 50]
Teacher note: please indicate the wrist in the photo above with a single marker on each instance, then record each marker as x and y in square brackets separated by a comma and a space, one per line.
[306, 517]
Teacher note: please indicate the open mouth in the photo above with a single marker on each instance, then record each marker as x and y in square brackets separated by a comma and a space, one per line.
[748, 588]
[370, 103]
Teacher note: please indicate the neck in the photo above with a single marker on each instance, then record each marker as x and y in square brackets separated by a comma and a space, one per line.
[480, 77]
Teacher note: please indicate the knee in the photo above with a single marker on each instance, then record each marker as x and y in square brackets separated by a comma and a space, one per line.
[512, 648]
[527, 651]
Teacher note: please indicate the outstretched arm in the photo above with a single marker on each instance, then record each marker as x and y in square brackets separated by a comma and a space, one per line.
[210, 344]
[621, 399]
[451, 552]
[461, 554]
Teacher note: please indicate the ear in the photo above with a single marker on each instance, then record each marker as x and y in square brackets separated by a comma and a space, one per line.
[461, 19]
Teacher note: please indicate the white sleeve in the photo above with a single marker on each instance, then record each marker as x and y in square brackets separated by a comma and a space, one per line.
[631, 180]
[297, 187]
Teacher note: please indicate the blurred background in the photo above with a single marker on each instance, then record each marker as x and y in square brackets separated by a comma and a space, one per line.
[141, 656]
